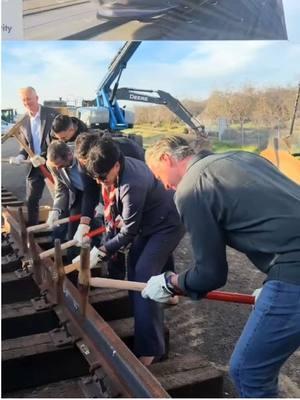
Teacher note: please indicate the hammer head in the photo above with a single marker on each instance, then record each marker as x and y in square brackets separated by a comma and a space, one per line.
[13, 131]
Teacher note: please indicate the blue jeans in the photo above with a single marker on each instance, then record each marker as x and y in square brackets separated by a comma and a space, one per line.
[270, 336]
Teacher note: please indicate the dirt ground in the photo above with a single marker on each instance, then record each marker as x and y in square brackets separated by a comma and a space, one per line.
[211, 328]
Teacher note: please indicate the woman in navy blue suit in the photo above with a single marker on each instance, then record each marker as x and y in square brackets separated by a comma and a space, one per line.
[149, 223]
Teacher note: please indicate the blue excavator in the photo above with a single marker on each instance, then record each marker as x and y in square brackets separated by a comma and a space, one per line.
[105, 111]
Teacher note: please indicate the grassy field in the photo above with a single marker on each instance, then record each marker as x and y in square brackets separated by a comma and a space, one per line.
[152, 134]
[221, 147]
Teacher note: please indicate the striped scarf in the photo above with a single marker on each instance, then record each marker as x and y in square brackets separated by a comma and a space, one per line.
[109, 201]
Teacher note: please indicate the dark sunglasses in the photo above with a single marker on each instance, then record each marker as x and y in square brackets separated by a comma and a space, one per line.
[102, 176]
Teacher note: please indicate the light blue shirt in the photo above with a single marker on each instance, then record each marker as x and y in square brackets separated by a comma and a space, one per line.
[74, 176]
[35, 124]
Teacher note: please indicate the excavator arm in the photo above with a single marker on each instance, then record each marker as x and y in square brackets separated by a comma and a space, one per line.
[106, 94]
[163, 98]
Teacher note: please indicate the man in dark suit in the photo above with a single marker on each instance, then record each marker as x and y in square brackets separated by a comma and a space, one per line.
[66, 128]
[36, 132]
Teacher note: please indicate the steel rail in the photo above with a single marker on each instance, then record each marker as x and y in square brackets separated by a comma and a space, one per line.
[95, 339]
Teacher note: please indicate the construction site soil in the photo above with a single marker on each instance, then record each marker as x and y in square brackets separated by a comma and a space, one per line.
[212, 328]
[205, 327]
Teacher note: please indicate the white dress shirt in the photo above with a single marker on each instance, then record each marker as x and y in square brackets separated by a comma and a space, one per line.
[35, 124]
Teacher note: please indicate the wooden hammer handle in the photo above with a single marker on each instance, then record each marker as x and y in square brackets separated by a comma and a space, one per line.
[139, 286]
[64, 246]
[72, 267]
[61, 221]
[73, 242]
[31, 154]
[6, 161]
[117, 284]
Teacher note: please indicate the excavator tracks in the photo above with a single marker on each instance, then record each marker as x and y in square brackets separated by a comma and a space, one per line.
[53, 347]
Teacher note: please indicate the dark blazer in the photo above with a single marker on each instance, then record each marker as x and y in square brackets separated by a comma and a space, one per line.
[145, 206]
[81, 127]
[65, 193]
[47, 117]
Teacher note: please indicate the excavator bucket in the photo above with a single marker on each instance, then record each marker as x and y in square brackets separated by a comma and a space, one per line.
[201, 19]
[279, 153]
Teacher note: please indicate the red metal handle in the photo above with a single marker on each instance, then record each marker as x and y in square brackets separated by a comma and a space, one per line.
[46, 173]
[96, 232]
[74, 218]
[231, 297]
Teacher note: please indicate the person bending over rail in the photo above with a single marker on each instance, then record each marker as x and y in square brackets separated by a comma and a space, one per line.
[241, 200]
[147, 219]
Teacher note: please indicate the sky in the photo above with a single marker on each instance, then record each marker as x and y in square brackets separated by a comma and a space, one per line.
[74, 69]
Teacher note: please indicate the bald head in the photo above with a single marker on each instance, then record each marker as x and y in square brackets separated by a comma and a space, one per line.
[30, 100]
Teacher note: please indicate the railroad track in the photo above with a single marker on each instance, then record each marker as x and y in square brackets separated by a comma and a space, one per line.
[53, 346]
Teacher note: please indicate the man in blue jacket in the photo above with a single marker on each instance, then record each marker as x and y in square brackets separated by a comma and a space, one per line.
[147, 219]
[241, 200]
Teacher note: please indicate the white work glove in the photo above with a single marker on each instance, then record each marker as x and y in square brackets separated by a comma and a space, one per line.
[37, 161]
[96, 256]
[257, 293]
[52, 218]
[157, 290]
[99, 210]
[82, 230]
[16, 160]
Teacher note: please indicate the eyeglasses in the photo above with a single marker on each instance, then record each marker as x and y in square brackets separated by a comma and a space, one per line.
[102, 176]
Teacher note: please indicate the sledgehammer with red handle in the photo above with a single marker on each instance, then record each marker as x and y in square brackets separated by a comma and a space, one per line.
[139, 286]
[39, 227]
[70, 243]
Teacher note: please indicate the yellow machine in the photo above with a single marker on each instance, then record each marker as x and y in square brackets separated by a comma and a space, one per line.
[280, 151]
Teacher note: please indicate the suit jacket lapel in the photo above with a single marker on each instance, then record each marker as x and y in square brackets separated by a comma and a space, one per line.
[27, 132]
[66, 178]
[43, 125]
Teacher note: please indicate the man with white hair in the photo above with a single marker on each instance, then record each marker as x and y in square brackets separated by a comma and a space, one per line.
[36, 133]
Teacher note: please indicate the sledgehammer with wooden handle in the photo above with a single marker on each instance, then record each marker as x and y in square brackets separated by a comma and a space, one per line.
[15, 132]
[6, 161]
[72, 218]
[139, 286]
[70, 243]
